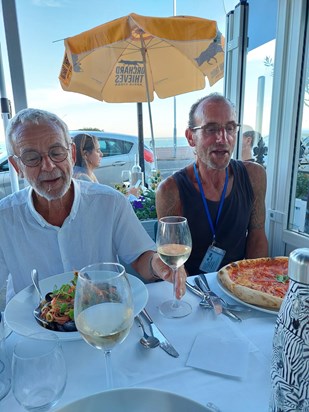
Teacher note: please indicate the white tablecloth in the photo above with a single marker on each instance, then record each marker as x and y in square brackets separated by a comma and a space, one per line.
[135, 366]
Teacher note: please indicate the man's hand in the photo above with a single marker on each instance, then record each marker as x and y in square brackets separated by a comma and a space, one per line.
[164, 272]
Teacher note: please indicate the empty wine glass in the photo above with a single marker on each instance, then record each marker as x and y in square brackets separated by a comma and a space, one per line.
[126, 178]
[174, 246]
[38, 371]
[103, 308]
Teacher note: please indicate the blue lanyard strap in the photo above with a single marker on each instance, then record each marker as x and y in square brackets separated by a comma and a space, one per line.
[205, 201]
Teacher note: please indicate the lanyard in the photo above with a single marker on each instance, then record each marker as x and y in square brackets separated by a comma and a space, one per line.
[205, 201]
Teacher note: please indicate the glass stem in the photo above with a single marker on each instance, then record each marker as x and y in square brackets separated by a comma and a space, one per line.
[108, 369]
[175, 284]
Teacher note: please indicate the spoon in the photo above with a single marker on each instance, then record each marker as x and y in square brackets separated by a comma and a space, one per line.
[147, 341]
[37, 310]
[35, 281]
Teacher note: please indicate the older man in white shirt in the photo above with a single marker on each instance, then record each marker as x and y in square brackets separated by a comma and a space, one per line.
[59, 224]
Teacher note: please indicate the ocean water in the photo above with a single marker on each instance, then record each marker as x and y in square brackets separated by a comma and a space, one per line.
[167, 141]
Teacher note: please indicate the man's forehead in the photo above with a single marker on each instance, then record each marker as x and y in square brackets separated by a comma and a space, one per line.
[29, 132]
[210, 110]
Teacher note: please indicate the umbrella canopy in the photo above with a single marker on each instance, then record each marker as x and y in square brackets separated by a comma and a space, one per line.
[130, 58]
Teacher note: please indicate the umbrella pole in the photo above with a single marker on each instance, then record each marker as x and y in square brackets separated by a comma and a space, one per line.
[140, 137]
[143, 50]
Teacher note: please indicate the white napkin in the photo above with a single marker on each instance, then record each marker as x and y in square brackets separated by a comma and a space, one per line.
[220, 350]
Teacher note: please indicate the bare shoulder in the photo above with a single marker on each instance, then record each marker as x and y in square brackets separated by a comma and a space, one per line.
[257, 175]
[167, 198]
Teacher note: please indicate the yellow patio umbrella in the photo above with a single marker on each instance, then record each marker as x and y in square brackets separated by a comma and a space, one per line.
[131, 58]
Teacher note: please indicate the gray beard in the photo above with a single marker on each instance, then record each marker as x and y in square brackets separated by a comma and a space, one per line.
[52, 196]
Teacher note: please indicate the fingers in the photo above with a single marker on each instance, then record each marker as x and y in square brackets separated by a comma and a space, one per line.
[166, 273]
[181, 282]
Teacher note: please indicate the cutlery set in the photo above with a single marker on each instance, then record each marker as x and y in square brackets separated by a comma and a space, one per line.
[156, 334]
[211, 301]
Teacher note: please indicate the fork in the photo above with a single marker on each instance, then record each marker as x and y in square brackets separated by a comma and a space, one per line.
[238, 308]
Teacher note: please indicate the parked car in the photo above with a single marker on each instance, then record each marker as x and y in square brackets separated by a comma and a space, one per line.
[5, 179]
[119, 152]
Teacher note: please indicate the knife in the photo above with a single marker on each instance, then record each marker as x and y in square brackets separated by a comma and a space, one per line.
[164, 343]
[225, 311]
[213, 299]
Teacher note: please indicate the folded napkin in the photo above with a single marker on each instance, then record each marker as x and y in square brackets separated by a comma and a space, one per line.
[220, 350]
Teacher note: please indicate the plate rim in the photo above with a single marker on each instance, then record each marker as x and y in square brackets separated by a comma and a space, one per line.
[131, 389]
[250, 305]
[17, 327]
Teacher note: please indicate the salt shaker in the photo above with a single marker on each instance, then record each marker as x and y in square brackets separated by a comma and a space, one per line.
[290, 356]
[5, 367]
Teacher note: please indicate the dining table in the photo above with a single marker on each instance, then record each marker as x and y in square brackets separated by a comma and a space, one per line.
[221, 362]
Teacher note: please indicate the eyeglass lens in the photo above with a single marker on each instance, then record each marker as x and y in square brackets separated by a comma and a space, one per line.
[215, 128]
[56, 154]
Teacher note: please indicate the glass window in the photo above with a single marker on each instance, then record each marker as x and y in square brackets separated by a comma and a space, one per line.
[111, 147]
[299, 214]
[257, 103]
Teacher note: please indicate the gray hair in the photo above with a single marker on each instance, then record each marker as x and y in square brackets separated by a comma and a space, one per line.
[216, 97]
[255, 136]
[32, 117]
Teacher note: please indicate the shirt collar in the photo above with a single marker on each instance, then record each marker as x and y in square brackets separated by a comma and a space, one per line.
[72, 215]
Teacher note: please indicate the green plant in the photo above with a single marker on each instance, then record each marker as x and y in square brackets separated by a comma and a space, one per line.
[302, 186]
[154, 179]
[145, 205]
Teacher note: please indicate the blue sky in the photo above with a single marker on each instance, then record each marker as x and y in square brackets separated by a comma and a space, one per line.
[43, 22]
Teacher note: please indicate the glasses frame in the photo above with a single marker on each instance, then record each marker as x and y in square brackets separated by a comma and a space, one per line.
[41, 155]
[221, 126]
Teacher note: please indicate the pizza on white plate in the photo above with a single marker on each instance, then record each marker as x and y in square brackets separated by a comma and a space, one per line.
[262, 282]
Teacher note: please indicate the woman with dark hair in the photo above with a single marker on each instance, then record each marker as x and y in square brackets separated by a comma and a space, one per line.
[88, 157]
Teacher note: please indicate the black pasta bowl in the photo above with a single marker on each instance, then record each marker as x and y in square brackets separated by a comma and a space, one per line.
[68, 326]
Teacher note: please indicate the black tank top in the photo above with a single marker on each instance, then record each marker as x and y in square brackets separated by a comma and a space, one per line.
[232, 227]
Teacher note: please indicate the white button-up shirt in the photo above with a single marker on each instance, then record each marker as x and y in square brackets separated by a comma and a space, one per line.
[102, 226]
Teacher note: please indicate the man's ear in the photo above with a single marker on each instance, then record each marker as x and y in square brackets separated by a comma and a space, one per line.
[189, 136]
[14, 163]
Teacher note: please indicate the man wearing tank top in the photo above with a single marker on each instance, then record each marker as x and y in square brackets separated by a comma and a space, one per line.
[223, 199]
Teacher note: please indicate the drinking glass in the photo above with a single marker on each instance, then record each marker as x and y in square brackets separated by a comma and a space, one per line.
[38, 371]
[103, 308]
[174, 246]
[126, 178]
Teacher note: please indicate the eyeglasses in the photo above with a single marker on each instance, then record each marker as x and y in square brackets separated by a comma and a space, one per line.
[33, 158]
[215, 128]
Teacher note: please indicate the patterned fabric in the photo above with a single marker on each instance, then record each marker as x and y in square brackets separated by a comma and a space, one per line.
[231, 231]
[290, 357]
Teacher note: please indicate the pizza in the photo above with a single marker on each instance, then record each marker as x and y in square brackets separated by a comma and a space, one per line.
[262, 282]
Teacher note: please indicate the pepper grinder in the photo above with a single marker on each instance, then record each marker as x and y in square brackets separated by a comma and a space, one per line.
[290, 355]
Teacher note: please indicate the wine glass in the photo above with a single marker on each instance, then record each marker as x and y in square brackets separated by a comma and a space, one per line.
[39, 372]
[174, 246]
[126, 178]
[103, 308]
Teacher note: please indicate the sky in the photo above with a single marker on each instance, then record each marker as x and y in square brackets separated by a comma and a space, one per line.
[43, 24]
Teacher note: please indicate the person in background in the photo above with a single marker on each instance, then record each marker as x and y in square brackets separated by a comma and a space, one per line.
[88, 157]
[223, 199]
[249, 138]
[59, 224]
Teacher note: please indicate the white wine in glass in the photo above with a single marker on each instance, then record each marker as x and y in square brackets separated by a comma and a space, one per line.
[174, 246]
[103, 308]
